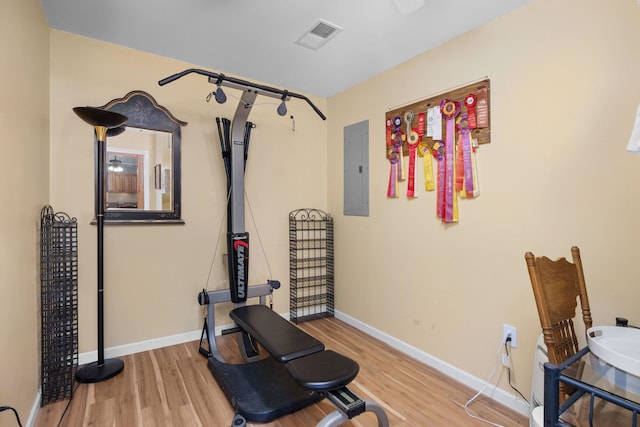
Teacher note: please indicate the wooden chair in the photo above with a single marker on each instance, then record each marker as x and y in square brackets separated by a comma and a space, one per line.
[557, 286]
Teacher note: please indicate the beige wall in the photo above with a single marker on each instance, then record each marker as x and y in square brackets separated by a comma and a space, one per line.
[564, 91]
[154, 273]
[24, 121]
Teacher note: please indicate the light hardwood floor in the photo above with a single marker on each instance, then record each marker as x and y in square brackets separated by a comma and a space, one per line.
[172, 386]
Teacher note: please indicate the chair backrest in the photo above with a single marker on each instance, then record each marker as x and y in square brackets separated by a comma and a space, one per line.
[557, 285]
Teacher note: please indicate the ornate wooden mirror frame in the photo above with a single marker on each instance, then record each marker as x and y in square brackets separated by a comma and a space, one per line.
[155, 186]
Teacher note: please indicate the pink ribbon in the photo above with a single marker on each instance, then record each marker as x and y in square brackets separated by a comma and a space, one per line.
[449, 110]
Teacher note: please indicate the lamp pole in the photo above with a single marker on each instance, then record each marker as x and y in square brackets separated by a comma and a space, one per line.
[102, 121]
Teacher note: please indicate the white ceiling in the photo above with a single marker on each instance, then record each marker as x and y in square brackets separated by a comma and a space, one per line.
[255, 39]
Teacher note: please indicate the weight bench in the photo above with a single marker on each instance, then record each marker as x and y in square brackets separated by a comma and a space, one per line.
[299, 373]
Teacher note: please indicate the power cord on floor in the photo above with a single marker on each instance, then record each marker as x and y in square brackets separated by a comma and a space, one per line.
[486, 384]
[66, 408]
[506, 350]
[6, 408]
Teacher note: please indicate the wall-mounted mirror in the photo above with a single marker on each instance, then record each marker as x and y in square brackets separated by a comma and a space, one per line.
[142, 164]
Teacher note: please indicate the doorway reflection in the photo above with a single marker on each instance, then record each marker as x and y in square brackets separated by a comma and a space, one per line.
[132, 183]
[125, 180]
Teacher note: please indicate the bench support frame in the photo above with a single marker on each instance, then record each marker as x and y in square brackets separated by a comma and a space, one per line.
[245, 343]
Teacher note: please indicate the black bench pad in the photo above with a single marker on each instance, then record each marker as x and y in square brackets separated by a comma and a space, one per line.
[261, 391]
[323, 371]
[283, 340]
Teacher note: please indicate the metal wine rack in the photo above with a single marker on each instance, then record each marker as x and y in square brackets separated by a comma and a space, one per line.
[310, 265]
[58, 304]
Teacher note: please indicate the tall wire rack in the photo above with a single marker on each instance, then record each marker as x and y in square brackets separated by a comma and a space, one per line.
[311, 273]
[58, 304]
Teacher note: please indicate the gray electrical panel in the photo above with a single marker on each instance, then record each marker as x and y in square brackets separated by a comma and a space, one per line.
[356, 169]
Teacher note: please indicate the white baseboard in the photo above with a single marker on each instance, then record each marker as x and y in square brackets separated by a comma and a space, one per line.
[140, 346]
[31, 421]
[459, 375]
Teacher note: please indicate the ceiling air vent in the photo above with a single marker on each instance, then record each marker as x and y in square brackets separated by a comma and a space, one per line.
[318, 34]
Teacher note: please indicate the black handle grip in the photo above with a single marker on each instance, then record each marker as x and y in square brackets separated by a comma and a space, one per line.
[275, 284]
[222, 77]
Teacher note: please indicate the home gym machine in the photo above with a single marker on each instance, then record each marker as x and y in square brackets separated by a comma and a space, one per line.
[299, 371]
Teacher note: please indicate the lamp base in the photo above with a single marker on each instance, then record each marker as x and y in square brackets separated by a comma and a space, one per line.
[95, 373]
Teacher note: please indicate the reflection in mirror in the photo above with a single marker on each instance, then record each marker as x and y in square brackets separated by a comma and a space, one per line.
[123, 176]
[132, 183]
[143, 163]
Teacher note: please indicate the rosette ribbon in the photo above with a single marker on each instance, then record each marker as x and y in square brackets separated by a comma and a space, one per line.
[449, 109]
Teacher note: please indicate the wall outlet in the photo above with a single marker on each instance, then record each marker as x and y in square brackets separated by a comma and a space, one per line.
[509, 331]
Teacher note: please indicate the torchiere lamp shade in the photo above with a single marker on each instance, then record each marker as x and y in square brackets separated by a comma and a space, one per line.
[98, 117]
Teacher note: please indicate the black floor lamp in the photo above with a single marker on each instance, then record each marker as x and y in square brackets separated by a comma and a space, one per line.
[102, 121]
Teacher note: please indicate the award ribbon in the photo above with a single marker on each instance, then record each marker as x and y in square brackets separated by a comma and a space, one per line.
[465, 142]
[437, 124]
[423, 149]
[470, 102]
[483, 109]
[398, 138]
[459, 170]
[438, 149]
[421, 124]
[408, 118]
[427, 164]
[393, 159]
[476, 189]
[412, 143]
[392, 170]
[449, 109]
